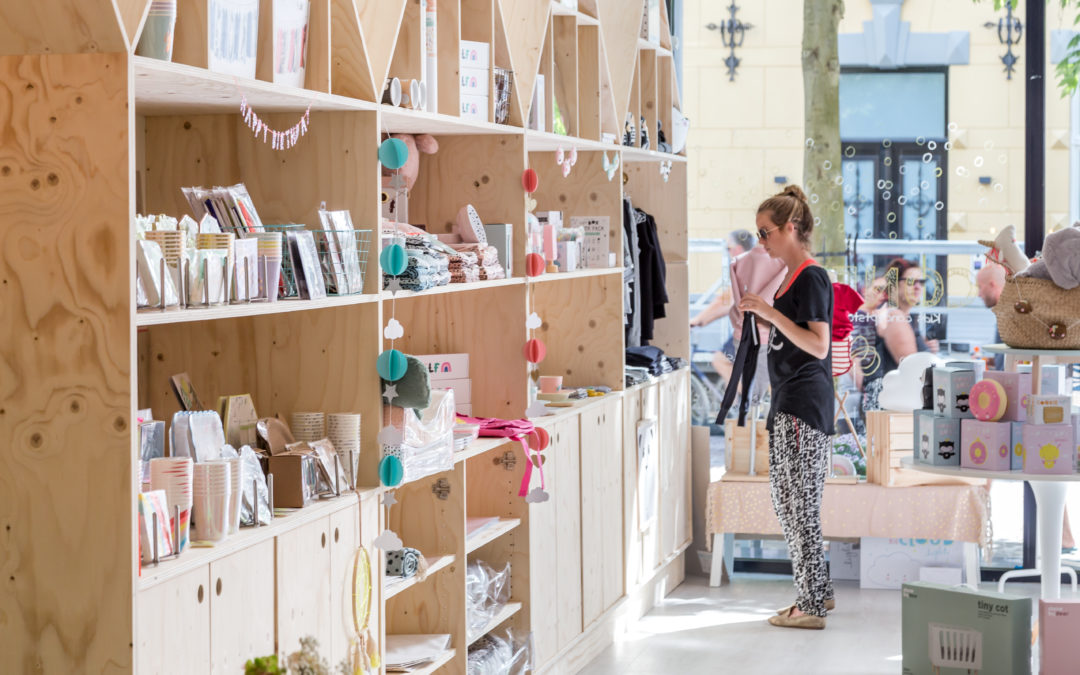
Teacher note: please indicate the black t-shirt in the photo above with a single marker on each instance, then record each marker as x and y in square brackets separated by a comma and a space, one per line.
[802, 385]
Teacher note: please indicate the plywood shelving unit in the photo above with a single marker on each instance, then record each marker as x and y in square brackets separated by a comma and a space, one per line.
[97, 134]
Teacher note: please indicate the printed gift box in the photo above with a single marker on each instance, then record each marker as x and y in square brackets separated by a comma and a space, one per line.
[957, 631]
[1048, 448]
[1017, 455]
[937, 439]
[952, 387]
[1017, 388]
[986, 445]
[1059, 625]
[1043, 409]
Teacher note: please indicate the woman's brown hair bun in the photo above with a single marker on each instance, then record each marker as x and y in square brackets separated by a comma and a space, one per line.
[791, 205]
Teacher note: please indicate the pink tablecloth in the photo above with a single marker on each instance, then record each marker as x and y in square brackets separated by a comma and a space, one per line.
[955, 512]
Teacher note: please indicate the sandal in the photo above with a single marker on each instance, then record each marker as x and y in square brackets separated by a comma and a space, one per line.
[808, 621]
[830, 605]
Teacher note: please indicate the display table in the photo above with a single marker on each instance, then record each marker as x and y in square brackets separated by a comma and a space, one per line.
[951, 512]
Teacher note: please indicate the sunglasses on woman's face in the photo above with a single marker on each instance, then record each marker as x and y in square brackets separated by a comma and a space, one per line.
[764, 234]
[915, 282]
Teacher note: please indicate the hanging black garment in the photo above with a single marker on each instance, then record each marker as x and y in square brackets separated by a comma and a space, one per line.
[744, 365]
[652, 275]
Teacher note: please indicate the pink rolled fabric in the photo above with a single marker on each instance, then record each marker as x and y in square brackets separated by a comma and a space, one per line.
[759, 274]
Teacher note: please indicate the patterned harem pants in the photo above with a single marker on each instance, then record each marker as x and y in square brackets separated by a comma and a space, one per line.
[798, 464]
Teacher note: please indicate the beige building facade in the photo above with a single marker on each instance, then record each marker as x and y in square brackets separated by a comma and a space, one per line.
[747, 135]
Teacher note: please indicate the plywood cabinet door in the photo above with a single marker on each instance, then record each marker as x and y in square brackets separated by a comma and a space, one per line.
[173, 626]
[543, 561]
[303, 586]
[566, 493]
[675, 506]
[344, 540]
[241, 608]
[601, 508]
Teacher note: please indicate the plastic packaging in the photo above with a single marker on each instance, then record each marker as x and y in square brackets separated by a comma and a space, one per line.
[427, 437]
[499, 654]
[486, 593]
[252, 472]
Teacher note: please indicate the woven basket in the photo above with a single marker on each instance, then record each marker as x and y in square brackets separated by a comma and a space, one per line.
[1049, 305]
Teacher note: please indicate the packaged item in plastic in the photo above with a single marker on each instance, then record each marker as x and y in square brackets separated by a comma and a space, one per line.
[499, 654]
[252, 473]
[427, 436]
[486, 592]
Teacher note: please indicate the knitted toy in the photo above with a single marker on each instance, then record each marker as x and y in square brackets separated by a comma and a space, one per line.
[416, 144]
[1005, 251]
[1061, 259]
[414, 389]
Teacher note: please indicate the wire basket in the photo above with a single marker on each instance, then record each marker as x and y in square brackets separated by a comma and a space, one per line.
[504, 86]
[343, 256]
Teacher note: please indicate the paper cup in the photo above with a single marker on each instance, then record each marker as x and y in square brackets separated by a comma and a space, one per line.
[549, 384]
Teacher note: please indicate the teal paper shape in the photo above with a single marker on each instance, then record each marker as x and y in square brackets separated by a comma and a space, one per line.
[393, 153]
[391, 472]
[391, 365]
[393, 259]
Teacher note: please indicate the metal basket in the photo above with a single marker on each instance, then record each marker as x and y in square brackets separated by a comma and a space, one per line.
[504, 86]
[339, 267]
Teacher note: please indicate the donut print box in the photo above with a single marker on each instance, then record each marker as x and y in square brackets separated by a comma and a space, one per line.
[986, 445]
[937, 439]
[1017, 388]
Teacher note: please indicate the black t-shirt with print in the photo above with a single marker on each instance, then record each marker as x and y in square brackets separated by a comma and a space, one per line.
[802, 385]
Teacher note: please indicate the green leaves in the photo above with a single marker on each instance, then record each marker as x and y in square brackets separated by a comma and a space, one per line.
[263, 665]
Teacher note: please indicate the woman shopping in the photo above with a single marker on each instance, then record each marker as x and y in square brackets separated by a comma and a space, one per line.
[801, 418]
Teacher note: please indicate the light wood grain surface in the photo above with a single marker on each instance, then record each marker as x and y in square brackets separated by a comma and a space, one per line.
[620, 24]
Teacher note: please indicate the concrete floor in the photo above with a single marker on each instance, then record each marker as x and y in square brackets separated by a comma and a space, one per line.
[699, 629]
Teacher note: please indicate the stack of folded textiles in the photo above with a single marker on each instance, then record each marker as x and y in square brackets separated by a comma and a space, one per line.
[487, 259]
[427, 268]
[463, 268]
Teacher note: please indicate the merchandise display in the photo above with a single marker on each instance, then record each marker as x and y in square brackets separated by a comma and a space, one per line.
[487, 591]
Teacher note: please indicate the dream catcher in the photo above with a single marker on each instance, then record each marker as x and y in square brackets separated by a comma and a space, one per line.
[363, 649]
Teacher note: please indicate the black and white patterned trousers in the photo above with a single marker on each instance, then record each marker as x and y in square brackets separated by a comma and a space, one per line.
[798, 464]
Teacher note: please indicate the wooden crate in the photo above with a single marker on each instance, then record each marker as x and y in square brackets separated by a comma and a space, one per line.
[738, 448]
[889, 438]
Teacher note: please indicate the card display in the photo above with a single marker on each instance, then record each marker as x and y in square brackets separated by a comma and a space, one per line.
[596, 244]
[305, 260]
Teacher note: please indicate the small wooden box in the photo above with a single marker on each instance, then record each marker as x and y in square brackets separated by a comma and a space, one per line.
[737, 440]
[889, 437]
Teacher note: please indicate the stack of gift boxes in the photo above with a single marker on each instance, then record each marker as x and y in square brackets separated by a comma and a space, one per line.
[996, 423]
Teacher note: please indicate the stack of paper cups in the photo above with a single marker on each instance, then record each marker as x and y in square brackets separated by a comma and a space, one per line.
[212, 488]
[309, 426]
[235, 492]
[343, 430]
[171, 242]
[174, 476]
[269, 264]
[216, 240]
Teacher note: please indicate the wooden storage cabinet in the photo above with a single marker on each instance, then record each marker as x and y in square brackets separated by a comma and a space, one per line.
[174, 626]
[601, 508]
[344, 535]
[241, 608]
[303, 586]
[675, 503]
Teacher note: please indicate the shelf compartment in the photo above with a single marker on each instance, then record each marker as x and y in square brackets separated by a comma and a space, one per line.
[454, 288]
[392, 588]
[155, 317]
[504, 615]
[193, 558]
[577, 274]
[444, 659]
[490, 533]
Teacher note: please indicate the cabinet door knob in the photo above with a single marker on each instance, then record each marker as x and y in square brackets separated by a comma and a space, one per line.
[200, 594]
[218, 589]
[337, 535]
[324, 540]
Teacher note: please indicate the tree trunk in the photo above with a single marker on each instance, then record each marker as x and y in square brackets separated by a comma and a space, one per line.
[821, 96]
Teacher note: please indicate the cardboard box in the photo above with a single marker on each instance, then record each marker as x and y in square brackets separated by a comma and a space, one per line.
[1049, 409]
[501, 236]
[890, 563]
[462, 388]
[442, 367]
[1049, 448]
[951, 389]
[474, 54]
[986, 445]
[937, 439]
[1059, 626]
[1016, 459]
[844, 560]
[1017, 388]
[474, 108]
[995, 626]
[296, 478]
[949, 576]
[474, 81]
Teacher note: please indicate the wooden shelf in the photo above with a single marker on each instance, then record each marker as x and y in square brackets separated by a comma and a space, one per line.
[577, 274]
[398, 120]
[444, 659]
[392, 588]
[454, 288]
[479, 447]
[490, 533]
[653, 47]
[559, 9]
[166, 88]
[545, 141]
[193, 558]
[639, 155]
[504, 614]
[157, 317]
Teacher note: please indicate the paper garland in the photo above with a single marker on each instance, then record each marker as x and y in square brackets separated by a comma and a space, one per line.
[279, 140]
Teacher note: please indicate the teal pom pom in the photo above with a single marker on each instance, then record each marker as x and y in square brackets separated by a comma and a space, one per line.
[393, 259]
[393, 153]
[391, 365]
[391, 473]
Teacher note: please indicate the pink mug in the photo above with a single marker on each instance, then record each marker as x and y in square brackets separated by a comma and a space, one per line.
[549, 384]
